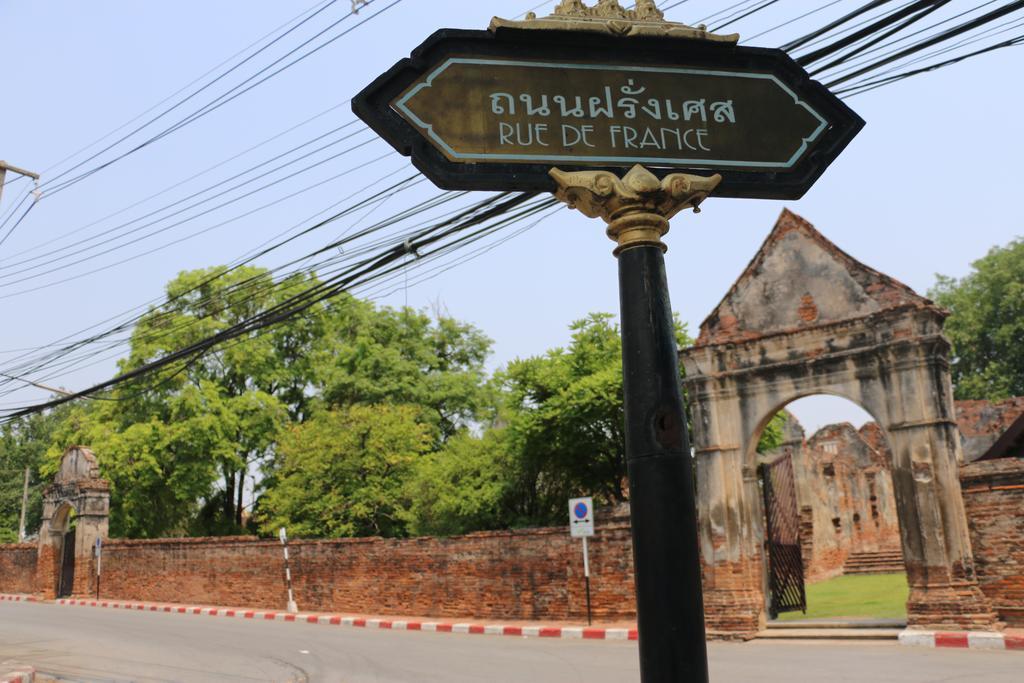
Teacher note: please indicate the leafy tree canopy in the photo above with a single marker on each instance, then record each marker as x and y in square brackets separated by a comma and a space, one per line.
[986, 324]
[381, 355]
[23, 445]
[343, 473]
[180, 446]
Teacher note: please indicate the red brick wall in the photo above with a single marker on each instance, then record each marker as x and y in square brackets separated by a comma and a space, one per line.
[526, 574]
[994, 499]
[18, 568]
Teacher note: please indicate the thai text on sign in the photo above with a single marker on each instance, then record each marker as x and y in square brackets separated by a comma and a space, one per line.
[519, 111]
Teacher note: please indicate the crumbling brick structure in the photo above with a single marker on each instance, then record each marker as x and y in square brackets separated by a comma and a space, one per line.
[845, 496]
[981, 423]
[805, 318]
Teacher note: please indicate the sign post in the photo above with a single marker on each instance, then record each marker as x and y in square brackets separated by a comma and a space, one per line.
[98, 549]
[283, 535]
[628, 118]
[581, 525]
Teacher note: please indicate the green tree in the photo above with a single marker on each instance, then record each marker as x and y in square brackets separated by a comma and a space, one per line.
[345, 472]
[380, 355]
[23, 444]
[559, 433]
[566, 421]
[986, 325]
[163, 465]
[774, 432]
[184, 438]
[469, 485]
[179, 443]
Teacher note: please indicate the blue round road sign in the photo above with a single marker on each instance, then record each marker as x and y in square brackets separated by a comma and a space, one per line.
[580, 510]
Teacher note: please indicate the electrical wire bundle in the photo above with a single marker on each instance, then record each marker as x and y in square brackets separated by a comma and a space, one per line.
[859, 47]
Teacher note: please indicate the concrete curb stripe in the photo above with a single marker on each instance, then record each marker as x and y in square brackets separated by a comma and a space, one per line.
[986, 641]
[952, 640]
[974, 640]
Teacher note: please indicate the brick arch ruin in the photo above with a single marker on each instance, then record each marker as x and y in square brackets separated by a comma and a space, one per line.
[76, 489]
[805, 318]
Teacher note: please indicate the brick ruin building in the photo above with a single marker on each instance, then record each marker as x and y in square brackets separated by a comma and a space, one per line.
[847, 505]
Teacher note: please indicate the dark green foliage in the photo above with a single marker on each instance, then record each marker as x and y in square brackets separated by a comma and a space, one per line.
[987, 324]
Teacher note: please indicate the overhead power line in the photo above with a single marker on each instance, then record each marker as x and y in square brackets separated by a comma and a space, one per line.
[233, 93]
[319, 6]
[375, 265]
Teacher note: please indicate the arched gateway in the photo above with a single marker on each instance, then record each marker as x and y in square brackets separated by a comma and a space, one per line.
[805, 318]
[75, 513]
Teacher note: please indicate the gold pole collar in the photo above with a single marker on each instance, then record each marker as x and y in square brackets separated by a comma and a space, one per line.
[638, 206]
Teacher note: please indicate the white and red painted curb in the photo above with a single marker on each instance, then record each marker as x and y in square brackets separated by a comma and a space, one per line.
[546, 631]
[18, 598]
[974, 640]
[16, 674]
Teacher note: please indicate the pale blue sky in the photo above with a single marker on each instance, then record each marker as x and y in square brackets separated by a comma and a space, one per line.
[931, 183]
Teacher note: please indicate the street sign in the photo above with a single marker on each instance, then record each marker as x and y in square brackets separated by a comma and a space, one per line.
[581, 517]
[496, 110]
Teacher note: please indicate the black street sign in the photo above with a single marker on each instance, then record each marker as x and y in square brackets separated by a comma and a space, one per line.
[482, 110]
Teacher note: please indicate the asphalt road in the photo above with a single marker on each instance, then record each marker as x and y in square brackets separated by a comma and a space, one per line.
[91, 644]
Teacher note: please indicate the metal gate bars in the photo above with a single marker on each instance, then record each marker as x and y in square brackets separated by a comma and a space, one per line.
[782, 538]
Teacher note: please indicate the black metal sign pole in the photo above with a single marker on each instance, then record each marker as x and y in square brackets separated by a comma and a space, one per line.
[670, 606]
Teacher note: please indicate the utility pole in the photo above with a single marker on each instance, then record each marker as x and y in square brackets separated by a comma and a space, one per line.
[24, 507]
[5, 167]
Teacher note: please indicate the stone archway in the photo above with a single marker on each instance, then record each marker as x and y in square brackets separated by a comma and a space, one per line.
[805, 318]
[77, 488]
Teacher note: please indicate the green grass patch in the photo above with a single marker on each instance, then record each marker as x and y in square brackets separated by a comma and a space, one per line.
[860, 595]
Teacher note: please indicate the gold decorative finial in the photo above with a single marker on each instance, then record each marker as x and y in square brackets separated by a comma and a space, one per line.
[608, 16]
[638, 206]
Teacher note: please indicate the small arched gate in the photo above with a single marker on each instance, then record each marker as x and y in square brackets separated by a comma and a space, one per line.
[76, 507]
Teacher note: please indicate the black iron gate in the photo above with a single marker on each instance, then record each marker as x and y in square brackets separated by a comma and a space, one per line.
[782, 538]
[67, 566]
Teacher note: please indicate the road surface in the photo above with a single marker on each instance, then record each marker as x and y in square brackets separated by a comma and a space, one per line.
[93, 644]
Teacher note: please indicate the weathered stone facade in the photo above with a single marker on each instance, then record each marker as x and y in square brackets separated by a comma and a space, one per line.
[806, 318]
